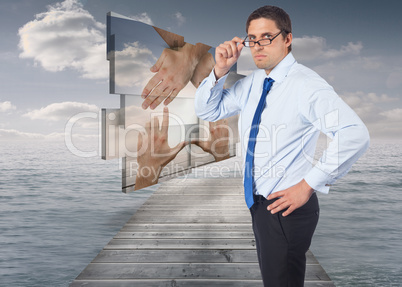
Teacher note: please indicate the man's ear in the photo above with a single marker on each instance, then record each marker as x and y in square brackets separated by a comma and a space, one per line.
[288, 40]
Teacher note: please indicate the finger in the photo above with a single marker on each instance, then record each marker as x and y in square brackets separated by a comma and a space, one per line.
[212, 128]
[239, 47]
[237, 40]
[152, 83]
[233, 49]
[222, 51]
[148, 127]
[165, 121]
[171, 97]
[202, 144]
[283, 206]
[178, 148]
[158, 98]
[230, 48]
[275, 204]
[276, 195]
[155, 68]
[288, 211]
[156, 124]
[153, 95]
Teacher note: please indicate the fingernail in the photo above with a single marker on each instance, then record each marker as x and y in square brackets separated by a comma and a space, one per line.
[144, 106]
[152, 107]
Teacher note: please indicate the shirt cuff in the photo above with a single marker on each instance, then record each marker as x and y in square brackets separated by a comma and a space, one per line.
[318, 180]
[215, 84]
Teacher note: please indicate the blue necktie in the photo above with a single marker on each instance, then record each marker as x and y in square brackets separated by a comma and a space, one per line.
[248, 172]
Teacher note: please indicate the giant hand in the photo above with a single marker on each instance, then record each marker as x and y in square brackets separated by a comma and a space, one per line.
[174, 69]
[203, 69]
[218, 141]
[154, 152]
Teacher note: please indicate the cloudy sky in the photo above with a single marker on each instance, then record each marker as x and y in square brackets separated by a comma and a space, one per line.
[53, 60]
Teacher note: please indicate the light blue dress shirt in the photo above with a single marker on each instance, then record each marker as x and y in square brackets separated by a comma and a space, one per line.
[299, 105]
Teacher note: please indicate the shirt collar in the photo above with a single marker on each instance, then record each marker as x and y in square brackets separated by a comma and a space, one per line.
[279, 73]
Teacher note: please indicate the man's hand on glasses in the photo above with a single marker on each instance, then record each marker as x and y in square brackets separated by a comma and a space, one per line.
[226, 55]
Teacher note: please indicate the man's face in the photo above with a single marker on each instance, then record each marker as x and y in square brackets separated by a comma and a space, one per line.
[267, 57]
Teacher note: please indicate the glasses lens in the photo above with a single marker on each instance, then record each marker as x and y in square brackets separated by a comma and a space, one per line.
[265, 42]
[248, 43]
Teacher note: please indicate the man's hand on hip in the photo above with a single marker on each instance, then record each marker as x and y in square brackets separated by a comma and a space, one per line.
[291, 198]
[226, 56]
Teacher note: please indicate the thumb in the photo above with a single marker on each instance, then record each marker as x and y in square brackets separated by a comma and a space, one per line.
[203, 145]
[239, 49]
[174, 151]
[155, 68]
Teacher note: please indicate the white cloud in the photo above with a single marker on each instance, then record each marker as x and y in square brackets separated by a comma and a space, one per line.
[394, 79]
[315, 48]
[370, 108]
[6, 106]
[144, 18]
[61, 111]
[179, 18]
[394, 115]
[66, 36]
[133, 60]
[12, 134]
[367, 105]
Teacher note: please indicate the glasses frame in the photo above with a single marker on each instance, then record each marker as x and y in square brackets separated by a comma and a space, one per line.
[255, 42]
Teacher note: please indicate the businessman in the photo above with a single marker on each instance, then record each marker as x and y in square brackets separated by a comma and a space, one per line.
[283, 107]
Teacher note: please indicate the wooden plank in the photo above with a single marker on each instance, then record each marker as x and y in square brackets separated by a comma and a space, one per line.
[190, 212]
[168, 283]
[181, 244]
[170, 271]
[210, 227]
[208, 182]
[106, 271]
[196, 201]
[176, 256]
[220, 190]
[204, 197]
[183, 234]
[180, 255]
[185, 283]
[190, 219]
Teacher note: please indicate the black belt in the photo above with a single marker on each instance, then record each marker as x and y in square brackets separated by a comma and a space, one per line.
[259, 198]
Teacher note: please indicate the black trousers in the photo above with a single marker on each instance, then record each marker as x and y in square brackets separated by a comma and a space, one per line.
[282, 242]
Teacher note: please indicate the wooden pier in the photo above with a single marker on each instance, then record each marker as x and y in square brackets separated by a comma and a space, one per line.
[193, 231]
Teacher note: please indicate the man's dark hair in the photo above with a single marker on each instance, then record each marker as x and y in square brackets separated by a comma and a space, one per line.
[276, 14]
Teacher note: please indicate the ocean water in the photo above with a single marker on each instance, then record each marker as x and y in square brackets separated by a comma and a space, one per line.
[58, 210]
[358, 240]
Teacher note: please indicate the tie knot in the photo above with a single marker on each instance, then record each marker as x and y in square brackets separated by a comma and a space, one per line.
[268, 83]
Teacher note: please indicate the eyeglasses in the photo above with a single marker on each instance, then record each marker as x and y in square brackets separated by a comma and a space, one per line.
[262, 42]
